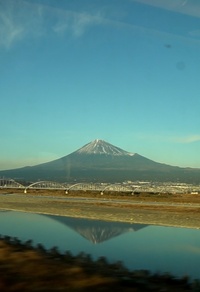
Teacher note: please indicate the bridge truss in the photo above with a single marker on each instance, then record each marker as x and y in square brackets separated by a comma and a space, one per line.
[10, 183]
[132, 188]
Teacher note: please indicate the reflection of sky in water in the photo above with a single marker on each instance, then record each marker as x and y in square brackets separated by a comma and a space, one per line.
[163, 249]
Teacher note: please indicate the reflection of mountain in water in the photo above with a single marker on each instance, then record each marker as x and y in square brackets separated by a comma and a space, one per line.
[97, 231]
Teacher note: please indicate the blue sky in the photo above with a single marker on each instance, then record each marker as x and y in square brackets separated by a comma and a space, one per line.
[125, 71]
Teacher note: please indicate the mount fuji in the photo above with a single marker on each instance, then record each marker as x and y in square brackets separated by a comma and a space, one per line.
[103, 162]
[97, 231]
[103, 148]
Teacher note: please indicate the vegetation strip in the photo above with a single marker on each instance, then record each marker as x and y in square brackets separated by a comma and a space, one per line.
[24, 267]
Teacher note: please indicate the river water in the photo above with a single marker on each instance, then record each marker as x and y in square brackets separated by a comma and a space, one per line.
[139, 246]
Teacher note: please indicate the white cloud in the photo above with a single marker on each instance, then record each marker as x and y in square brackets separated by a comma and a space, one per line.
[195, 33]
[21, 19]
[10, 30]
[24, 19]
[76, 23]
[191, 249]
[170, 138]
[82, 21]
[181, 6]
[187, 139]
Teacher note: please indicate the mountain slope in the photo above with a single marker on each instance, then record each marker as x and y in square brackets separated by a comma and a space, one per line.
[101, 161]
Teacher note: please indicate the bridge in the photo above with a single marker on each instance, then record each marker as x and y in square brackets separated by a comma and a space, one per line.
[10, 183]
[83, 187]
[102, 188]
[66, 187]
[45, 185]
[118, 188]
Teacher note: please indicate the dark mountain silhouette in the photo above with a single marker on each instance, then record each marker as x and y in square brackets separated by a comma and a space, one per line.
[103, 162]
[97, 231]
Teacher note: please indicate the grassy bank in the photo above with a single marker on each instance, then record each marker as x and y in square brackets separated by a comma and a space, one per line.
[27, 268]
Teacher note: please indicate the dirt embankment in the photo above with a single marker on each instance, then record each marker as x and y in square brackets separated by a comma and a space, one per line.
[170, 210]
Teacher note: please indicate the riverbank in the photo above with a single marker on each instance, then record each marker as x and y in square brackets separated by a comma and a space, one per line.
[27, 268]
[176, 211]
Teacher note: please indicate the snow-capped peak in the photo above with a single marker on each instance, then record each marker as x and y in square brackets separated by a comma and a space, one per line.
[101, 147]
